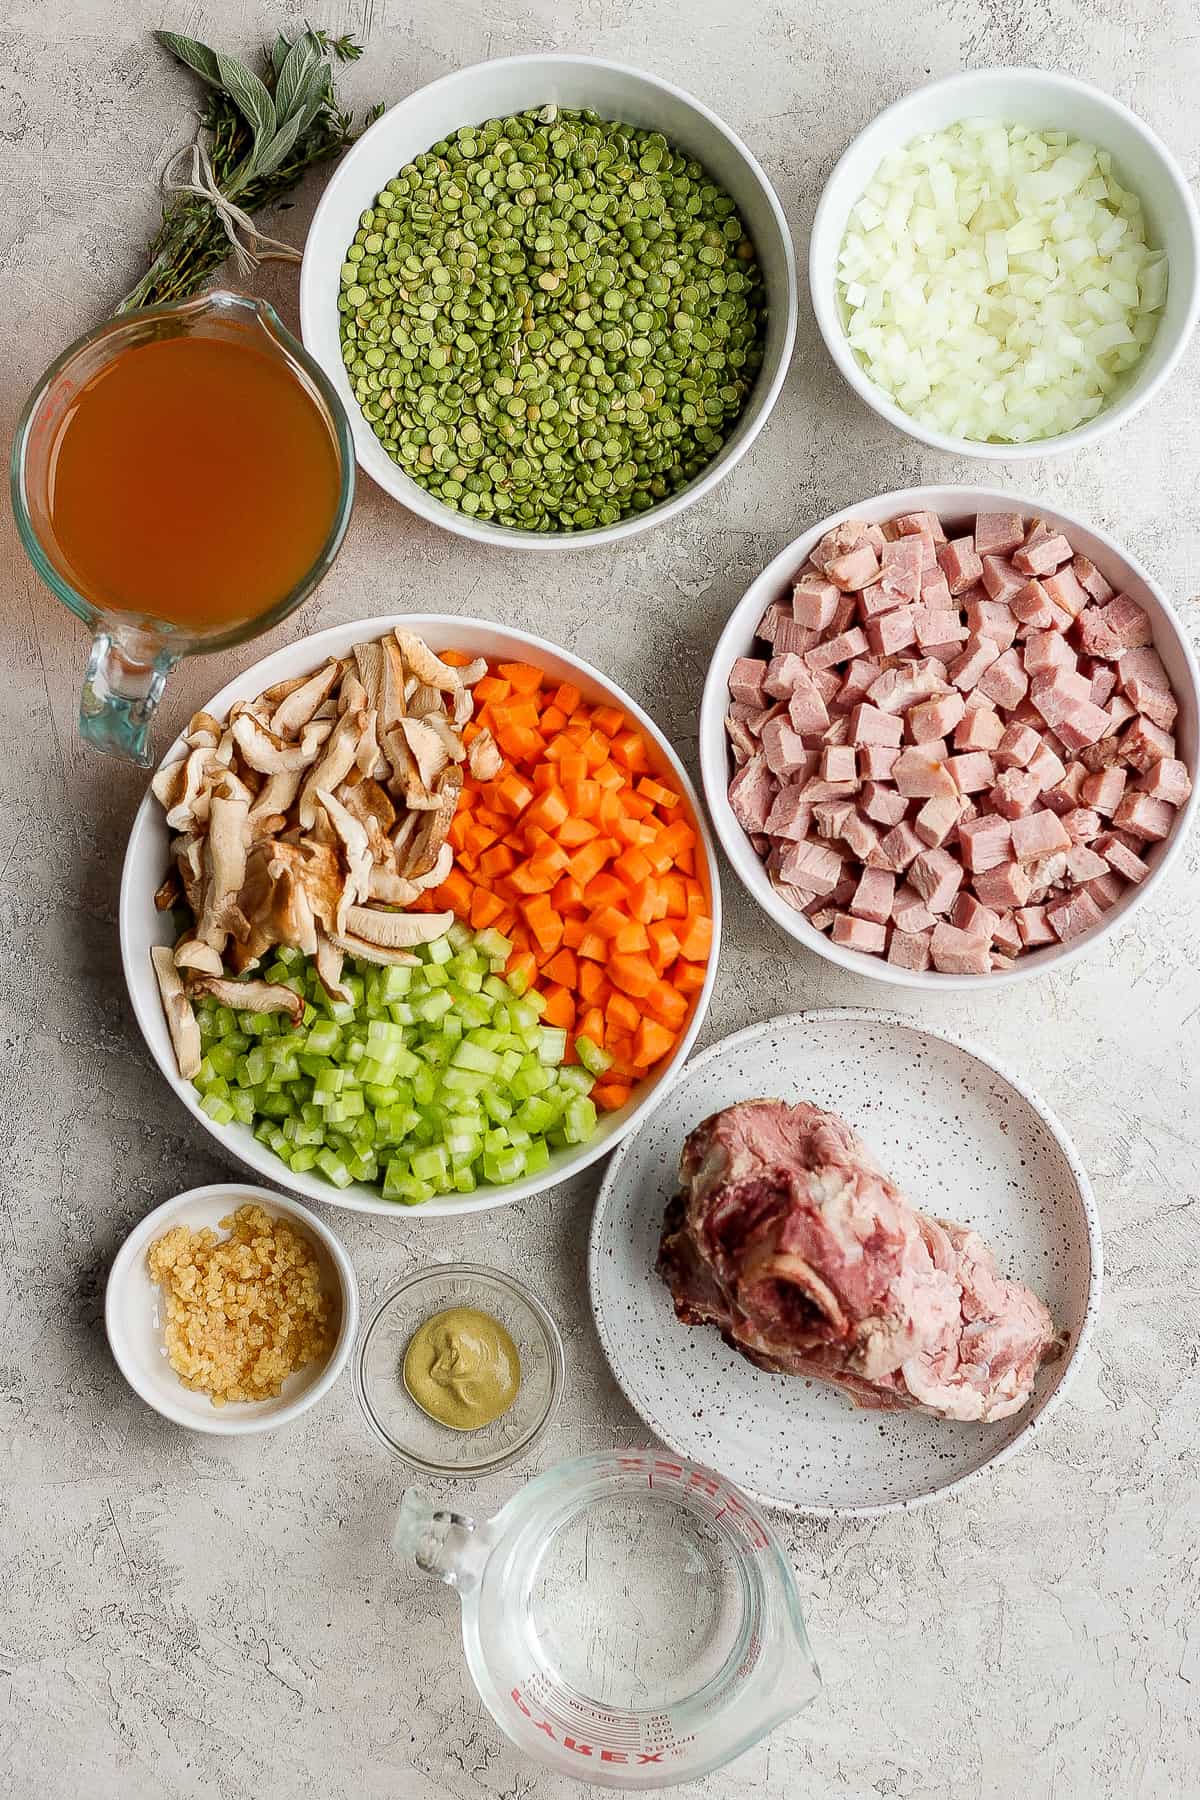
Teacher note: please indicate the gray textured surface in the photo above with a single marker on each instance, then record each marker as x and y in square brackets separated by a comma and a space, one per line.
[184, 1617]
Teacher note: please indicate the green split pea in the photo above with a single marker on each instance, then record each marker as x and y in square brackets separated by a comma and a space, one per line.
[552, 321]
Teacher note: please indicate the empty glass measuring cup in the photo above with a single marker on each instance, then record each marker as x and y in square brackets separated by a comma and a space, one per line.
[629, 1618]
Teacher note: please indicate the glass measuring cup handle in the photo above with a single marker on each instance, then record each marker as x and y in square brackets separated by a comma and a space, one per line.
[446, 1544]
[126, 674]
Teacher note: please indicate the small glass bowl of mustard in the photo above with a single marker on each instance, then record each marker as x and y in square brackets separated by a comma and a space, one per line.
[456, 1341]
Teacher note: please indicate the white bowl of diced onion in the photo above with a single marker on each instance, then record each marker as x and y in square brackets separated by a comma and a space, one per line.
[873, 282]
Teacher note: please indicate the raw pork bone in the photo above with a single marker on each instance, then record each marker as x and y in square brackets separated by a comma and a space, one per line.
[788, 1237]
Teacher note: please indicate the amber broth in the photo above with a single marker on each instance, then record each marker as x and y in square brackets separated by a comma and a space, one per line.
[193, 480]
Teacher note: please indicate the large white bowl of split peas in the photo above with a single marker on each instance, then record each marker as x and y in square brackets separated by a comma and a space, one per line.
[555, 333]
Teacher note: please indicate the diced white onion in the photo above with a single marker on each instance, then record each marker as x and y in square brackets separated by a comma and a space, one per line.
[997, 282]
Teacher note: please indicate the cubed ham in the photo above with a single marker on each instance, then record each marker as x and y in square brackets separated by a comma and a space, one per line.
[847, 535]
[1145, 743]
[936, 718]
[980, 654]
[839, 763]
[898, 848]
[934, 625]
[992, 619]
[1034, 927]
[960, 564]
[1064, 795]
[807, 711]
[969, 916]
[784, 748]
[790, 815]
[1167, 779]
[1106, 890]
[937, 877]
[857, 676]
[1095, 638]
[783, 673]
[1054, 691]
[1083, 864]
[956, 952]
[1103, 682]
[1005, 935]
[998, 533]
[855, 569]
[980, 728]
[1103, 790]
[837, 731]
[870, 725]
[1038, 834]
[1015, 794]
[1082, 725]
[972, 772]
[1018, 744]
[874, 895]
[812, 865]
[1006, 885]
[1143, 664]
[860, 836]
[937, 819]
[1043, 556]
[909, 911]
[985, 842]
[837, 649]
[1000, 580]
[876, 761]
[1046, 766]
[792, 638]
[1032, 607]
[1081, 824]
[1117, 853]
[827, 683]
[899, 688]
[1064, 591]
[751, 793]
[935, 589]
[894, 632]
[830, 816]
[859, 934]
[875, 601]
[1073, 916]
[882, 804]
[909, 949]
[903, 556]
[814, 602]
[1090, 579]
[1151, 701]
[1147, 817]
[918, 524]
[1046, 650]
[768, 625]
[1006, 681]
[746, 680]
[1128, 622]
[920, 770]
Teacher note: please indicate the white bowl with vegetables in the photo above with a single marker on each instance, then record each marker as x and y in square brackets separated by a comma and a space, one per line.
[392, 1008]
[528, 457]
[986, 284]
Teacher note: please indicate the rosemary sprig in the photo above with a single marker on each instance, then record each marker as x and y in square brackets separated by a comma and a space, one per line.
[263, 133]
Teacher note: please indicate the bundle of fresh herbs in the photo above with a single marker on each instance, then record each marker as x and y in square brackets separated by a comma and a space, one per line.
[259, 136]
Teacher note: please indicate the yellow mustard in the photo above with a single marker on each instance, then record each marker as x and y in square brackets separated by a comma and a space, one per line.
[462, 1368]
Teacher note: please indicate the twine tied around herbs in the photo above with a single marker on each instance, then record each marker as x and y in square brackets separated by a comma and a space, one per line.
[248, 246]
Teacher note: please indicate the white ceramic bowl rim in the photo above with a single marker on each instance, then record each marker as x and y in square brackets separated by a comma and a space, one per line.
[736, 640]
[1068, 1365]
[314, 303]
[822, 282]
[238, 1142]
[233, 1421]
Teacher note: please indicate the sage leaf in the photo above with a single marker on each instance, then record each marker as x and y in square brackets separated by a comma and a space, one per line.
[250, 95]
[197, 56]
[303, 61]
[269, 158]
[280, 51]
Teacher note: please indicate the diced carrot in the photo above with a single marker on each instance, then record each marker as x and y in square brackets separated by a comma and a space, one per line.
[677, 838]
[456, 890]
[455, 659]
[563, 968]
[549, 810]
[572, 767]
[608, 719]
[553, 719]
[661, 796]
[647, 902]
[592, 981]
[488, 688]
[525, 678]
[633, 937]
[485, 909]
[587, 862]
[633, 866]
[695, 941]
[595, 747]
[652, 1043]
[512, 793]
[574, 832]
[610, 1095]
[583, 798]
[676, 894]
[629, 750]
[608, 920]
[573, 933]
[560, 1008]
[632, 974]
[497, 861]
[622, 1014]
[592, 945]
[687, 977]
[664, 944]
[591, 1025]
[521, 963]
[567, 698]
[567, 894]
[668, 1005]
[604, 890]
[479, 838]
[609, 776]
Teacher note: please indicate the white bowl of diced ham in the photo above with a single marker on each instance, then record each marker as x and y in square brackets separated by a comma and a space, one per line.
[948, 738]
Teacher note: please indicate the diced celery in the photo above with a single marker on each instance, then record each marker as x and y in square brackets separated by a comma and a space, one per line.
[594, 1059]
[537, 1157]
[218, 1110]
[552, 1044]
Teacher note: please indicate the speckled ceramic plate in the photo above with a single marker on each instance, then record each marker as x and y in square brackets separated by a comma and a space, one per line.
[963, 1139]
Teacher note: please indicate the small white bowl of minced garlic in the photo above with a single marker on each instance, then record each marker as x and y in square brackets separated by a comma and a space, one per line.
[231, 1309]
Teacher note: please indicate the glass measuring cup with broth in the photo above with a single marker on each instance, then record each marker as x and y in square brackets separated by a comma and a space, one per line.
[182, 479]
